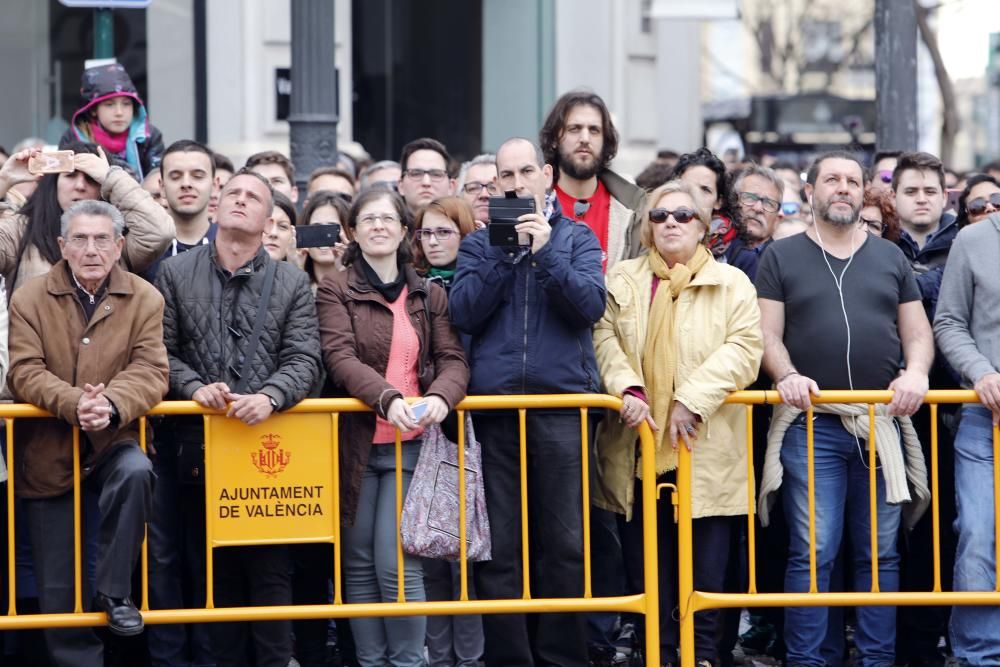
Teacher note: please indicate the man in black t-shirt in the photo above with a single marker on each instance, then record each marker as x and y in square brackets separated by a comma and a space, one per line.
[839, 309]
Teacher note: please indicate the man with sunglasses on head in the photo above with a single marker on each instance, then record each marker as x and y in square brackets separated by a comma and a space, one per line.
[883, 164]
[476, 183]
[425, 176]
[756, 201]
[333, 178]
[580, 141]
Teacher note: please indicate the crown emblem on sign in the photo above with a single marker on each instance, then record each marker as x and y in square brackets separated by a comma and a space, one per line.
[270, 459]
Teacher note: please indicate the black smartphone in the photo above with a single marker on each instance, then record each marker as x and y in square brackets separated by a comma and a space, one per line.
[504, 212]
[317, 236]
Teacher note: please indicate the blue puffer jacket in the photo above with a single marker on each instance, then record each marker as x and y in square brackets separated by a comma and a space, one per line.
[928, 262]
[530, 318]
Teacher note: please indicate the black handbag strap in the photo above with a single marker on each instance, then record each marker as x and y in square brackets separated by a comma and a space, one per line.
[258, 326]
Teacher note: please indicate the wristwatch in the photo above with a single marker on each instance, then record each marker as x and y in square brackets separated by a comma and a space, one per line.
[274, 403]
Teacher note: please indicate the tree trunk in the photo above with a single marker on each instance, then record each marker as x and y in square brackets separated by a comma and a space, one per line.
[949, 114]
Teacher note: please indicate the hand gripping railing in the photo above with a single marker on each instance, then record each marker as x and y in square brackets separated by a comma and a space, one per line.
[692, 601]
[646, 603]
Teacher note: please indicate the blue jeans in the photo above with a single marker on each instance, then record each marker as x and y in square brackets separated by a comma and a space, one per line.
[841, 477]
[370, 564]
[975, 631]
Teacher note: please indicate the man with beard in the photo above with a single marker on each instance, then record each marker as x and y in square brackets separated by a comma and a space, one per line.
[756, 198]
[579, 141]
[839, 309]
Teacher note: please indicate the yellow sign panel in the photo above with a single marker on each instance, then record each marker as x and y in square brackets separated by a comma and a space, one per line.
[270, 483]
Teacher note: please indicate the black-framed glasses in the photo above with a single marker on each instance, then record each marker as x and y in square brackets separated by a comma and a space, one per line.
[681, 215]
[439, 233]
[418, 174]
[874, 226]
[580, 208]
[473, 188]
[750, 199]
[978, 205]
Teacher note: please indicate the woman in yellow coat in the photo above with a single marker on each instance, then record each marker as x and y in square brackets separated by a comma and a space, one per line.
[680, 332]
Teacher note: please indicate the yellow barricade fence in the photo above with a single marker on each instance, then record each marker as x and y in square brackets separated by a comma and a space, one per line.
[292, 479]
[692, 601]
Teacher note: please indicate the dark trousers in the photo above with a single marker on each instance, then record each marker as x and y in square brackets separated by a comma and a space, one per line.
[919, 628]
[712, 539]
[555, 533]
[254, 576]
[608, 574]
[313, 571]
[176, 564]
[125, 480]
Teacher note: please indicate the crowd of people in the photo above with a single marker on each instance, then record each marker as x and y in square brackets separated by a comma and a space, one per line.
[147, 272]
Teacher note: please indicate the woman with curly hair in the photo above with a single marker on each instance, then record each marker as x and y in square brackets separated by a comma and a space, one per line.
[878, 214]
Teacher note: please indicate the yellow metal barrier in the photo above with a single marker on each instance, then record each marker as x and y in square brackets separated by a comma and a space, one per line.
[645, 603]
[692, 601]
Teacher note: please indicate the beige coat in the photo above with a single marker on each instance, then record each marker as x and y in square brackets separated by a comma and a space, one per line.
[55, 351]
[720, 345]
[149, 231]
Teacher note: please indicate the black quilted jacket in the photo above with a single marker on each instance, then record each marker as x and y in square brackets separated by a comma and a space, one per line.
[208, 318]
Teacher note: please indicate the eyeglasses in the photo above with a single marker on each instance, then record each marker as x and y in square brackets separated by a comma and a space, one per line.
[875, 226]
[681, 215]
[978, 205]
[750, 199]
[473, 188]
[440, 233]
[885, 175]
[790, 207]
[371, 218]
[580, 208]
[418, 174]
[102, 242]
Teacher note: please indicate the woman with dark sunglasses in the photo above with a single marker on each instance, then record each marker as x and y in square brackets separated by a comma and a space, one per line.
[979, 199]
[680, 332]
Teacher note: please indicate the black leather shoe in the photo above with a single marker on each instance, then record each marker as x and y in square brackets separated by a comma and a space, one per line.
[123, 618]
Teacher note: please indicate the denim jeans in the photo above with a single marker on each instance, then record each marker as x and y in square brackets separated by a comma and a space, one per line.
[370, 564]
[842, 492]
[975, 631]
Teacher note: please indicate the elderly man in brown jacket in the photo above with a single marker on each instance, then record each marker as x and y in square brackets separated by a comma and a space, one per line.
[86, 344]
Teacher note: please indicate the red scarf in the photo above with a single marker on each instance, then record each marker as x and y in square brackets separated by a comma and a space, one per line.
[115, 143]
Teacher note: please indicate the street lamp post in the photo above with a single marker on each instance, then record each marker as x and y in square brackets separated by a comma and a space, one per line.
[895, 75]
[313, 111]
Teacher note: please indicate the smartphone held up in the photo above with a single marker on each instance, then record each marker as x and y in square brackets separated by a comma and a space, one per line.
[504, 214]
[56, 162]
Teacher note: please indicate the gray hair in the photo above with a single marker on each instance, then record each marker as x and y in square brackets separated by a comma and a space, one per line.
[766, 173]
[92, 207]
[703, 214]
[485, 158]
[363, 179]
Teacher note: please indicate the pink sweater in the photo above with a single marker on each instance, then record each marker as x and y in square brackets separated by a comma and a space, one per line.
[401, 371]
